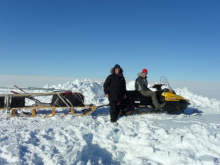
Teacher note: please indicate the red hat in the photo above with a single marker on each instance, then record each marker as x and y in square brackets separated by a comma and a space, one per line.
[144, 71]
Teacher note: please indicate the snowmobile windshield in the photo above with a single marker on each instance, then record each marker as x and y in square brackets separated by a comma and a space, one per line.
[163, 80]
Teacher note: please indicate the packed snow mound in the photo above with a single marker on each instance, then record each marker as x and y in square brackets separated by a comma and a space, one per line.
[93, 92]
[137, 139]
[198, 101]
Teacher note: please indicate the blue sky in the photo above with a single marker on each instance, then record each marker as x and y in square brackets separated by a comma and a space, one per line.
[85, 38]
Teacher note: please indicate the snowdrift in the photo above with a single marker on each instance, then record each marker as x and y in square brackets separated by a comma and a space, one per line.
[93, 92]
[138, 139]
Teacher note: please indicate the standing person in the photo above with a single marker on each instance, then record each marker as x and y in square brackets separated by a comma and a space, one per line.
[115, 90]
[141, 84]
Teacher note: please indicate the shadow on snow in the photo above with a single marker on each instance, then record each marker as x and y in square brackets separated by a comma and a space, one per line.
[94, 154]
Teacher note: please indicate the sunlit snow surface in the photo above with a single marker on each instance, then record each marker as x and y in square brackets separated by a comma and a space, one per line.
[137, 139]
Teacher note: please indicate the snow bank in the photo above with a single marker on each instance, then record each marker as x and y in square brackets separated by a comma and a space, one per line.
[93, 90]
[138, 139]
[200, 102]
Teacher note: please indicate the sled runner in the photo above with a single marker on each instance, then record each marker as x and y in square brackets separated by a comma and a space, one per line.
[65, 99]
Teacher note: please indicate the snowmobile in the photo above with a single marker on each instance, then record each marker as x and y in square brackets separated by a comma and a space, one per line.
[137, 103]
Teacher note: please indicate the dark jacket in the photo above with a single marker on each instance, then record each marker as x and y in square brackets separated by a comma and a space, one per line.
[115, 86]
[141, 83]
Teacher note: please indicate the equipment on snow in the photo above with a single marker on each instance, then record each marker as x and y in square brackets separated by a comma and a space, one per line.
[71, 100]
[68, 99]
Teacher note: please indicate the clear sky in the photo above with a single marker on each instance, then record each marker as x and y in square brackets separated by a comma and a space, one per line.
[179, 39]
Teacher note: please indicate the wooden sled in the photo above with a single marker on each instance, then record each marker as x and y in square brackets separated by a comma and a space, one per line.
[65, 99]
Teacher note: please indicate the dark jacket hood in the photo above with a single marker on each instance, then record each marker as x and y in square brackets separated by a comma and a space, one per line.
[113, 70]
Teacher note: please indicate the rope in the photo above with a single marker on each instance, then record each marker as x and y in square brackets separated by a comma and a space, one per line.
[56, 102]
[79, 98]
[62, 99]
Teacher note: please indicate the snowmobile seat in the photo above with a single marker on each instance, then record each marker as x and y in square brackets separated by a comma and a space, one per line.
[135, 98]
[142, 97]
[136, 95]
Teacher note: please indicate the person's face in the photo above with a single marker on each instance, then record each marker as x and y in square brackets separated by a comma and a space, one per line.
[117, 70]
[144, 74]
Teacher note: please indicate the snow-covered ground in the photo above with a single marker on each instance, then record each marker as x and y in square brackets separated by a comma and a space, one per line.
[136, 140]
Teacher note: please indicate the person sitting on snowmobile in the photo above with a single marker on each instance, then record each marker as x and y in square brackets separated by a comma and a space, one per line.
[141, 84]
[115, 90]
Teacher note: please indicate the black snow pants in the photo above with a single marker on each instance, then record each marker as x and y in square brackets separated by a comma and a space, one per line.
[114, 110]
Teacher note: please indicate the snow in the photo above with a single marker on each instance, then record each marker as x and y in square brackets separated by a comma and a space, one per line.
[137, 139]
